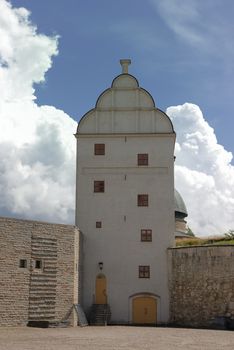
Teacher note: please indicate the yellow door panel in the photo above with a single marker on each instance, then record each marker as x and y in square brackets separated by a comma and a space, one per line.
[101, 297]
[144, 310]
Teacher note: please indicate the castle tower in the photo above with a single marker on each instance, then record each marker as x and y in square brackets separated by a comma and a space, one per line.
[125, 202]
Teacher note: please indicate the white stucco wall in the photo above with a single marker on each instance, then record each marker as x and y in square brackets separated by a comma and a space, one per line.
[127, 122]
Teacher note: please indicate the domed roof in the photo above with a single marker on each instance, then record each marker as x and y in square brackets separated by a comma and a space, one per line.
[123, 108]
[180, 207]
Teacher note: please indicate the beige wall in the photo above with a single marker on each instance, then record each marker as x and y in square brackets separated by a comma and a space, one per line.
[37, 294]
[201, 285]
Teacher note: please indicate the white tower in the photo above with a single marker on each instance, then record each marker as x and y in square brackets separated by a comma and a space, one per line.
[125, 203]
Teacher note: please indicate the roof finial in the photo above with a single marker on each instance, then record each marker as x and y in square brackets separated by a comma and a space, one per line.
[125, 63]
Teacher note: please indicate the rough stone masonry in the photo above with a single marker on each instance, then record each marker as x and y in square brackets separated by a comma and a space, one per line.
[39, 271]
[201, 285]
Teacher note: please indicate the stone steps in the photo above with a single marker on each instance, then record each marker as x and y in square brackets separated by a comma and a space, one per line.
[100, 314]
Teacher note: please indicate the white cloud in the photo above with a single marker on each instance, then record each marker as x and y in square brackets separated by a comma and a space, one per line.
[182, 17]
[37, 148]
[203, 173]
[204, 25]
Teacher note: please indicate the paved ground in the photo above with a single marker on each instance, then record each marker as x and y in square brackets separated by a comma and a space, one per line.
[113, 338]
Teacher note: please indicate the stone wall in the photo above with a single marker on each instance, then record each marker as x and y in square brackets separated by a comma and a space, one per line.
[45, 287]
[201, 285]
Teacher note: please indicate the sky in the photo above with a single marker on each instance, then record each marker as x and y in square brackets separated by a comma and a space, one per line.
[56, 57]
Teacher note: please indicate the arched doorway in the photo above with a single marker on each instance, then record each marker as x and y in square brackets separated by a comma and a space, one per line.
[144, 310]
[100, 291]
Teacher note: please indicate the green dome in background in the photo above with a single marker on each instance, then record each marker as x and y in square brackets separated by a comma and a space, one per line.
[180, 208]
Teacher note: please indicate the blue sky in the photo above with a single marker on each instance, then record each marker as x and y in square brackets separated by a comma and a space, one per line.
[181, 51]
[55, 61]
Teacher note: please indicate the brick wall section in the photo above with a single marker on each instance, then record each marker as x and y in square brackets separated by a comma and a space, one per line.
[37, 294]
[201, 285]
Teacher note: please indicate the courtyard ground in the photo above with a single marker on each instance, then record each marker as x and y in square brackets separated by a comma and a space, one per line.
[113, 338]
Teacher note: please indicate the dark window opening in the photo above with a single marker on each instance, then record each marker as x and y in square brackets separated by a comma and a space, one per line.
[23, 263]
[98, 224]
[99, 186]
[142, 200]
[144, 271]
[38, 264]
[143, 159]
[146, 235]
[99, 149]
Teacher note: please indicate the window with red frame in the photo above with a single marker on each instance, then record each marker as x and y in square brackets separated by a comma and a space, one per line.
[142, 200]
[99, 149]
[142, 159]
[144, 271]
[146, 235]
[99, 186]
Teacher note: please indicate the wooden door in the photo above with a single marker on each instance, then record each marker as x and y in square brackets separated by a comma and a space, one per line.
[100, 295]
[144, 310]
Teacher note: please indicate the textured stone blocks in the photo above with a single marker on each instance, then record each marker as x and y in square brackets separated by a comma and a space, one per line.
[47, 287]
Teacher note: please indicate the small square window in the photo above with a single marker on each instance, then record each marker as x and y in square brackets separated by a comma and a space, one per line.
[142, 200]
[99, 186]
[143, 159]
[23, 263]
[99, 149]
[146, 235]
[98, 224]
[144, 271]
[38, 264]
